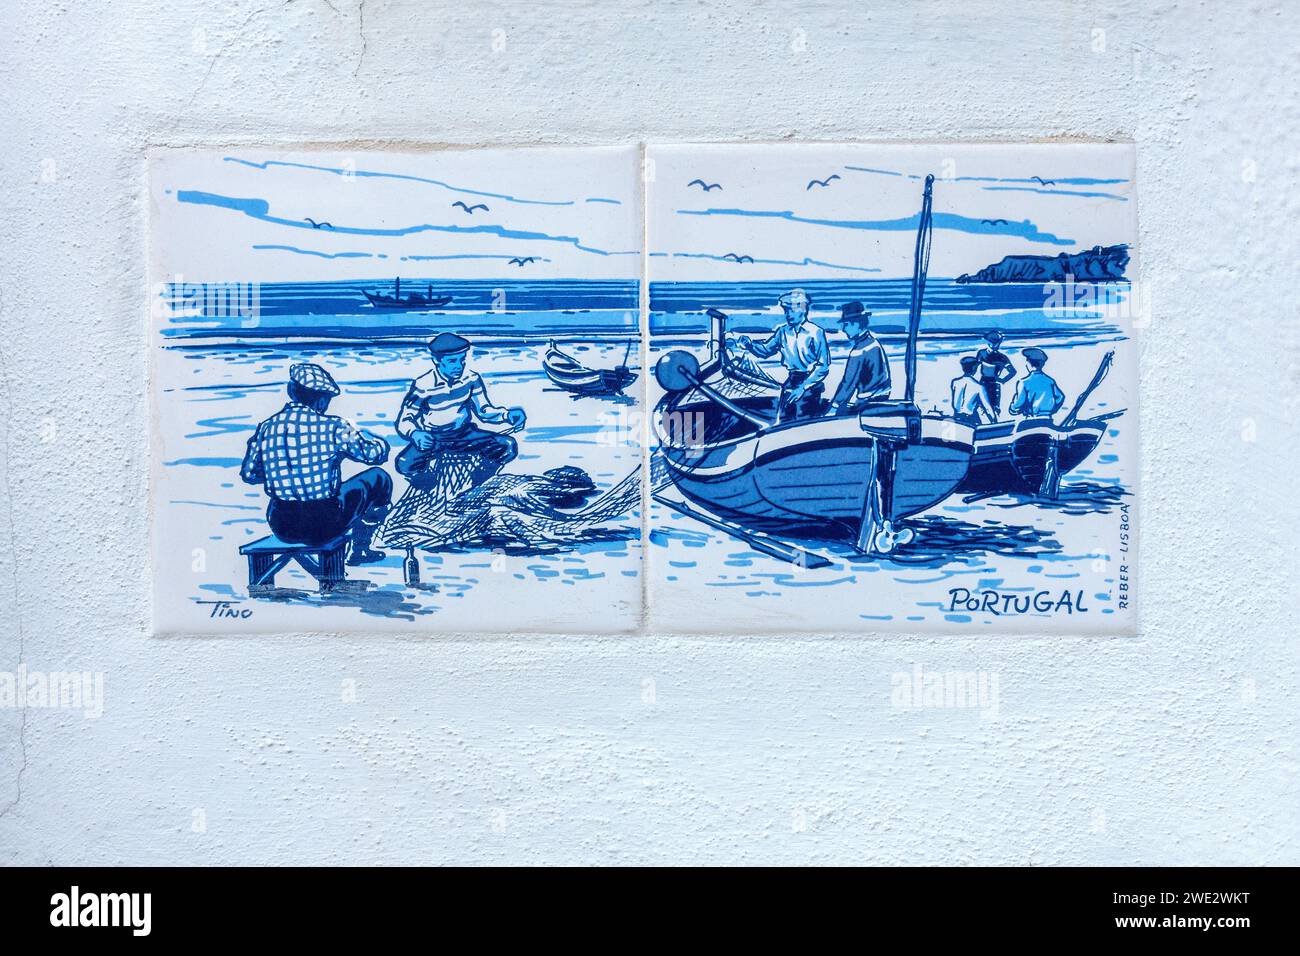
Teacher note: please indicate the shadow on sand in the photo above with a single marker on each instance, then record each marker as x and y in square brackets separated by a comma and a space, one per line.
[363, 595]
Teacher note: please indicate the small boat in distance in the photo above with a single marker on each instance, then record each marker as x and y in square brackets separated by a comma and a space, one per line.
[572, 376]
[412, 301]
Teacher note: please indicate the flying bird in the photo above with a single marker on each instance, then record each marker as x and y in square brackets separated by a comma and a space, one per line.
[821, 182]
[522, 261]
[1044, 182]
[995, 222]
[738, 258]
[703, 185]
[318, 225]
[470, 209]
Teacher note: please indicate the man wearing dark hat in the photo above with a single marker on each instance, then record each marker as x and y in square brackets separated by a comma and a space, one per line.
[1037, 394]
[297, 454]
[866, 371]
[995, 368]
[439, 411]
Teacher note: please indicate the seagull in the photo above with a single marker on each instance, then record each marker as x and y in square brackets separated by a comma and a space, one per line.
[522, 260]
[995, 222]
[1044, 182]
[703, 185]
[738, 258]
[821, 182]
[470, 209]
[318, 225]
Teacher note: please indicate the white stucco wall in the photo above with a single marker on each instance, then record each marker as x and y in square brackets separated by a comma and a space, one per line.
[1176, 746]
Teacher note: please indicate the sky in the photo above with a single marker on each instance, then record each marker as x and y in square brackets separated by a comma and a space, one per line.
[832, 211]
[246, 215]
[714, 212]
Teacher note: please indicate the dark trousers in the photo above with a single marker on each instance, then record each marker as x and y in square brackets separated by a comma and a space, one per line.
[362, 496]
[809, 406]
[993, 390]
[495, 449]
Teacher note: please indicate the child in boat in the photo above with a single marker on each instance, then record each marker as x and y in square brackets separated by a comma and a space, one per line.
[1037, 394]
[969, 398]
[439, 411]
[995, 369]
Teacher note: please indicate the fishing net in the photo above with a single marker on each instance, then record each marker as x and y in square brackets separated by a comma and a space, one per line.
[694, 420]
[526, 511]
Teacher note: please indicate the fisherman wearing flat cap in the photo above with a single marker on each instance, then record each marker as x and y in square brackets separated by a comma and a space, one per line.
[995, 369]
[866, 372]
[297, 455]
[439, 415]
[1037, 394]
[804, 354]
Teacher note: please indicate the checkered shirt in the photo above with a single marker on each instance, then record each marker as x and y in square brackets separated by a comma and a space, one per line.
[297, 453]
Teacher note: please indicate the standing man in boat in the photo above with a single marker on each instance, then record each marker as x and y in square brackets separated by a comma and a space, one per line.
[995, 369]
[969, 400]
[804, 354]
[866, 371]
[438, 416]
[1037, 394]
[296, 454]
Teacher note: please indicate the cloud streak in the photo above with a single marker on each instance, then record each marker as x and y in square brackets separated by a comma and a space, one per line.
[941, 220]
[260, 210]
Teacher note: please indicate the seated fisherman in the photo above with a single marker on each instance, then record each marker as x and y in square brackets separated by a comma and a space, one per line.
[969, 399]
[296, 454]
[866, 371]
[439, 411]
[1037, 394]
[804, 354]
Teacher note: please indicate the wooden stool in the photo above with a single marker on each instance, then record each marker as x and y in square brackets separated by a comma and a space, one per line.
[266, 556]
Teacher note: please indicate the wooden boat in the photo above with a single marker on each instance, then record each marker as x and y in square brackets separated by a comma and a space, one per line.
[570, 374]
[412, 301]
[1029, 456]
[849, 476]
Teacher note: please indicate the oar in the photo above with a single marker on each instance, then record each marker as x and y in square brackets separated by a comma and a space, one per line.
[1102, 369]
[755, 539]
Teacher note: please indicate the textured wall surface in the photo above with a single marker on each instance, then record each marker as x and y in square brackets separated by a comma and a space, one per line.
[1174, 746]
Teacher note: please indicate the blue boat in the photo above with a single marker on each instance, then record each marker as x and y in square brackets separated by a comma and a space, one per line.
[850, 476]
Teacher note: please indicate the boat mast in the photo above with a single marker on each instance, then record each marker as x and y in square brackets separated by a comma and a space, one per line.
[921, 263]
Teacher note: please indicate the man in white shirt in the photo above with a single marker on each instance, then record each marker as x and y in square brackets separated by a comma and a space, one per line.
[969, 397]
[804, 354]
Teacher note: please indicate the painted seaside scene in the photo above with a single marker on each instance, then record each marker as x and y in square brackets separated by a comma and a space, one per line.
[892, 388]
[391, 390]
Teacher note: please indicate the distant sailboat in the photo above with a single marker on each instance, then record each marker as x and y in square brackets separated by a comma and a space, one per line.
[413, 301]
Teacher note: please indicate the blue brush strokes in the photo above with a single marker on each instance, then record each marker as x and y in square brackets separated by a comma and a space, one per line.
[806, 261]
[1067, 180]
[1054, 192]
[260, 209]
[942, 220]
[371, 174]
[313, 252]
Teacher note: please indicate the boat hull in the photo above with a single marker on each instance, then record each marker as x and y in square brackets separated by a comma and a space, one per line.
[1012, 457]
[818, 474]
[408, 305]
[585, 381]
